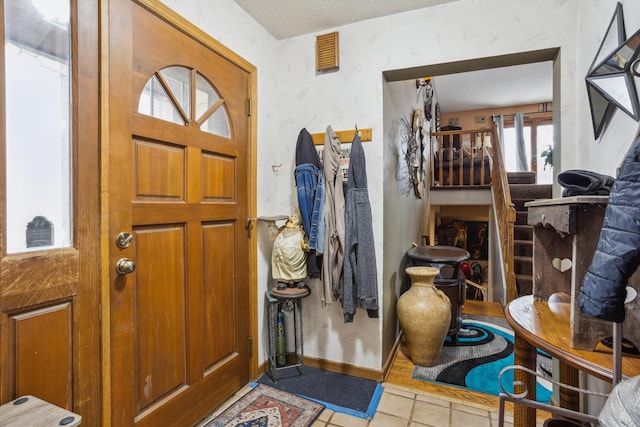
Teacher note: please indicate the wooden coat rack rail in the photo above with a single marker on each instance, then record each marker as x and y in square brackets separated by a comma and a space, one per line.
[345, 136]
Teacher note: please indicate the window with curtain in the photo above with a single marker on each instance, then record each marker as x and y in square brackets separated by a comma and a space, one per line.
[538, 135]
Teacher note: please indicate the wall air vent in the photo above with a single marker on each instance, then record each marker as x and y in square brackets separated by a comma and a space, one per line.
[327, 55]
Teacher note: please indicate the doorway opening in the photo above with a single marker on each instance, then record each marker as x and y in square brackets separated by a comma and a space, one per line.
[401, 86]
[540, 126]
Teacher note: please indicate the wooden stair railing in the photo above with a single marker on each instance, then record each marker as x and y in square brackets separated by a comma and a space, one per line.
[460, 158]
[505, 213]
[465, 146]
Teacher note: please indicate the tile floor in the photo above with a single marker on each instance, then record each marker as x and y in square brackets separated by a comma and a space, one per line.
[401, 407]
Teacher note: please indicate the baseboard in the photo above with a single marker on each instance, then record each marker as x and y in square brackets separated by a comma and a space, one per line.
[342, 368]
[391, 357]
[262, 368]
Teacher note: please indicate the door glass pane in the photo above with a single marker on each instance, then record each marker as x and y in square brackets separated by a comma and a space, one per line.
[38, 125]
[217, 123]
[206, 96]
[179, 81]
[155, 102]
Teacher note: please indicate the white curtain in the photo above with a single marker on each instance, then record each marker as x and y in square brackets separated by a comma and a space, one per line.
[522, 165]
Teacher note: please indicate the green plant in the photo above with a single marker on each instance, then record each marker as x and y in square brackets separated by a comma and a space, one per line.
[547, 155]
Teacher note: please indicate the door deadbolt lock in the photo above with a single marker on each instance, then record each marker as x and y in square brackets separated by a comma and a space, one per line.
[124, 240]
[125, 266]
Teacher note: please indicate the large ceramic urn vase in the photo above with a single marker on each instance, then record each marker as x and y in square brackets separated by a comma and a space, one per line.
[424, 313]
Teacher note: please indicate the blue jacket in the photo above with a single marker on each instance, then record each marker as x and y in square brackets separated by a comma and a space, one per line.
[617, 256]
[310, 187]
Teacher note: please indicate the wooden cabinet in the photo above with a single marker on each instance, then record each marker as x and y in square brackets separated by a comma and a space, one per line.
[565, 237]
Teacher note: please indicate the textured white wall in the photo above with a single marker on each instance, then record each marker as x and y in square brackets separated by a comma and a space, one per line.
[404, 214]
[354, 94]
[605, 154]
[291, 95]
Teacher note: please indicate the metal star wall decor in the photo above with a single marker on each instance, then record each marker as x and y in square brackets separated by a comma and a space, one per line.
[610, 82]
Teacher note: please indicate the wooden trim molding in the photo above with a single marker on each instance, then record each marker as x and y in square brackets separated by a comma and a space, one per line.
[196, 33]
[345, 136]
[341, 368]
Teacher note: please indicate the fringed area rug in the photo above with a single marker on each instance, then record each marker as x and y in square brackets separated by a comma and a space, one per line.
[484, 347]
[266, 406]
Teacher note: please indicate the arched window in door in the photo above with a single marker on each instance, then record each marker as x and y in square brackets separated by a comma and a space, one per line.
[183, 96]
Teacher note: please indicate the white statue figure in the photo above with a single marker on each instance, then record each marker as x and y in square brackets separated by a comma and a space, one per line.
[289, 257]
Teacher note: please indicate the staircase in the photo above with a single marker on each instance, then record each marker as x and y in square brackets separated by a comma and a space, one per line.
[523, 189]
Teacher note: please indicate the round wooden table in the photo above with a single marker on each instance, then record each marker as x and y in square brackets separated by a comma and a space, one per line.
[546, 325]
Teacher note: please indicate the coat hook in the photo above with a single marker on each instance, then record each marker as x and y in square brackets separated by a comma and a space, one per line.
[357, 131]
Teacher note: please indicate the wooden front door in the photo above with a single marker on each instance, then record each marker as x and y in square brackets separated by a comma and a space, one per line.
[49, 205]
[178, 163]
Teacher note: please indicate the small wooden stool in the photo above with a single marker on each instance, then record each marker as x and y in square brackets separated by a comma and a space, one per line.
[34, 412]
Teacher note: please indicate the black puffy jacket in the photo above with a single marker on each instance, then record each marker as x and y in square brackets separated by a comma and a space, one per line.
[617, 256]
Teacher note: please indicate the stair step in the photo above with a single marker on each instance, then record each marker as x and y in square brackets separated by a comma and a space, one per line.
[521, 217]
[523, 189]
[523, 265]
[523, 248]
[521, 177]
[524, 283]
[519, 204]
[523, 232]
[530, 192]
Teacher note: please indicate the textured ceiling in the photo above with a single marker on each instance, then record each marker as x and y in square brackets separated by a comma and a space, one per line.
[495, 87]
[290, 18]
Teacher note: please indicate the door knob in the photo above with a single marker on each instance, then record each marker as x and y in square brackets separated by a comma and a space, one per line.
[125, 266]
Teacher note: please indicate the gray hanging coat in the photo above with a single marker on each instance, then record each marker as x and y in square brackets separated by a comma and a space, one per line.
[359, 286]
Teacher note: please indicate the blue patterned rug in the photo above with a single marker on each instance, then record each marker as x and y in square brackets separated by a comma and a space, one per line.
[484, 347]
